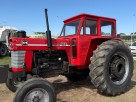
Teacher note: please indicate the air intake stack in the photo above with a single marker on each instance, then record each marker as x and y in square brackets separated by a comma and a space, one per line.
[48, 32]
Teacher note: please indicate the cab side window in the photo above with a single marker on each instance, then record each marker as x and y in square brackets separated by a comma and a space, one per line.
[91, 27]
[107, 28]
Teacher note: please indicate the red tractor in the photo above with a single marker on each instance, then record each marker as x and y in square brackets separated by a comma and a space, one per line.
[87, 45]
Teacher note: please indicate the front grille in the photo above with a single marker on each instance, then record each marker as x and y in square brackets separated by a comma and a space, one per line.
[17, 59]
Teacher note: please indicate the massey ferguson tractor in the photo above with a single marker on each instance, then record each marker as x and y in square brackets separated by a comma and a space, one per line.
[87, 45]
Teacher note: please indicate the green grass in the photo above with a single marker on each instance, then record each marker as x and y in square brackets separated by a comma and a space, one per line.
[5, 60]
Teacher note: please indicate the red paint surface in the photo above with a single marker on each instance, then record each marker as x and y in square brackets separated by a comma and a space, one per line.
[86, 44]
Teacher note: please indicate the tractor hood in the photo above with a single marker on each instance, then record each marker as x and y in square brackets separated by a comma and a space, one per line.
[37, 44]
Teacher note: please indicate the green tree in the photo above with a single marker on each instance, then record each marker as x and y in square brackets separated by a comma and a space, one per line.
[37, 33]
[133, 33]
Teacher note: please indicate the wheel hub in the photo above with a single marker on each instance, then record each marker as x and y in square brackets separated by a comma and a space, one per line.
[36, 99]
[119, 68]
[37, 95]
[17, 82]
[3, 50]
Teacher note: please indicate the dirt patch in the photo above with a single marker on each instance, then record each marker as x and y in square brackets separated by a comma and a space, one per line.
[82, 91]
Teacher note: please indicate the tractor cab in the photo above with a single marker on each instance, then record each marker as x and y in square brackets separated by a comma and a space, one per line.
[84, 33]
[89, 25]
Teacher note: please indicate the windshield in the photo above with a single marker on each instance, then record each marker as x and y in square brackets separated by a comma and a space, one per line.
[70, 28]
[134, 44]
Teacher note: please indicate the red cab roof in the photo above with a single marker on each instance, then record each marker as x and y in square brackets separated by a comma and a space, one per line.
[87, 15]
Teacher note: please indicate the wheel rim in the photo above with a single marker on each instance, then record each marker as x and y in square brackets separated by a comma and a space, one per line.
[17, 82]
[119, 68]
[37, 95]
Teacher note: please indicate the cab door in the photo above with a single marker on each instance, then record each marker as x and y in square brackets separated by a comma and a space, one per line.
[88, 31]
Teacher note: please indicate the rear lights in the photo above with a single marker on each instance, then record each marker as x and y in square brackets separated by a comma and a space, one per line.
[74, 47]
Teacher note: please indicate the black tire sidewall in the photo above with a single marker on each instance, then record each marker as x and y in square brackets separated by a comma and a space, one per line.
[27, 87]
[6, 50]
[126, 51]
[10, 85]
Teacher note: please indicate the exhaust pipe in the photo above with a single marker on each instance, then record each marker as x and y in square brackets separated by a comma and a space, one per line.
[48, 32]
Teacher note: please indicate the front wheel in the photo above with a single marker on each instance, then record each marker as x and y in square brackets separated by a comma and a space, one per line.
[111, 67]
[35, 90]
[14, 84]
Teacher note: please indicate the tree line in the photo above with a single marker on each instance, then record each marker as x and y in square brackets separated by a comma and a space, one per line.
[128, 37]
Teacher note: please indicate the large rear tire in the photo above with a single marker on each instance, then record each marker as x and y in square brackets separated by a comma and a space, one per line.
[111, 67]
[35, 90]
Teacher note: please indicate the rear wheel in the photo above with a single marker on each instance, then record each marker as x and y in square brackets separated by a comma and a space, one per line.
[3, 50]
[111, 67]
[35, 90]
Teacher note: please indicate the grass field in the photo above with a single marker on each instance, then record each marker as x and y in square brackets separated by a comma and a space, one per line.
[5, 60]
[82, 91]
